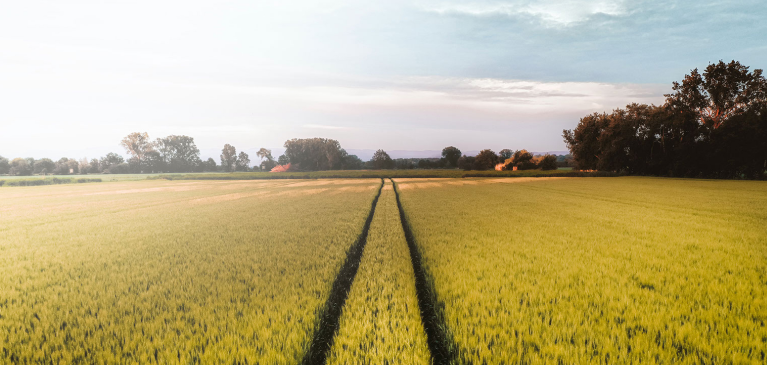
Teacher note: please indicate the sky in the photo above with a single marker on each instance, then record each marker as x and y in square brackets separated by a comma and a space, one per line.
[77, 76]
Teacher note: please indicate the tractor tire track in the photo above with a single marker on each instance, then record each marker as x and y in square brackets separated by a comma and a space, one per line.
[331, 313]
[440, 342]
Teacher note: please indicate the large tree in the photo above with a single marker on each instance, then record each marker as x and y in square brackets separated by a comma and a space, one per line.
[110, 160]
[267, 161]
[548, 162]
[229, 158]
[243, 161]
[523, 160]
[381, 160]
[315, 154]
[485, 160]
[5, 165]
[451, 155]
[21, 167]
[44, 164]
[713, 125]
[505, 154]
[210, 165]
[722, 91]
[137, 144]
[179, 153]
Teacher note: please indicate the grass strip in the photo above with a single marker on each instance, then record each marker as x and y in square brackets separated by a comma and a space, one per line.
[331, 314]
[39, 182]
[441, 344]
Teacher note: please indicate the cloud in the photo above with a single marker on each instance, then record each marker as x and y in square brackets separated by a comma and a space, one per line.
[560, 13]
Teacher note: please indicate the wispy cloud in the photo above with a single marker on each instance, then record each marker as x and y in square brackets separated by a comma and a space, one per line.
[550, 12]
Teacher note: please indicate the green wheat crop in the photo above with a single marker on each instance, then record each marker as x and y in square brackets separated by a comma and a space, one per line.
[600, 270]
[381, 322]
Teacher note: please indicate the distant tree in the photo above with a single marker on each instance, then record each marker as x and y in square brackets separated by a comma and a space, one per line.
[267, 161]
[110, 160]
[180, 153]
[404, 164]
[315, 154]
[66, 166]
[61, 167]
[465, 162]
[137, 144]
[264, 153]
[95, 166]
[548, 162]
[5, 165]
[20, 167]
[381, 160]
[243, 161]
[229, 158]
[523, 160]
[84, 166]
[210, 165]
[283, 160]
[352, 162]
[121, 168]
[44, 164]
[505, 154]
[451, 155]
[485, 160]
[154, 162]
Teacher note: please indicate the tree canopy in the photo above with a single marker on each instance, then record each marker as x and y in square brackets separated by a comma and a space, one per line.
[229, 158]
[714, 124]
[451, 155]
[381, 160]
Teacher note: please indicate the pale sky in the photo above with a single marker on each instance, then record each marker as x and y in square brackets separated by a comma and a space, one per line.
[77, 76]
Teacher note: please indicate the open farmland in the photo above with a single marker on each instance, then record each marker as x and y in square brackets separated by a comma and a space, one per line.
[466, 271]
[172, 272]
[613, 270]
[381, 323]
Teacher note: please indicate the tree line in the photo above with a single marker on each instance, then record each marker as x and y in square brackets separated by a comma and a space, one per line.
[179, 153]
[713, 124]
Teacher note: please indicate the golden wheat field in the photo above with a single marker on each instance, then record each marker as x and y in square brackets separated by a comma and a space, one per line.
[519, 270]
[171, 272]
[602, 270]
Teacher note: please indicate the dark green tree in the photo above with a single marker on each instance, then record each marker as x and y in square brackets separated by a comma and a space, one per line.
[548, 162]
[243, 161]
[381, 160]
[5, 165]
[451, 155]
[229, 158]
[485, 160]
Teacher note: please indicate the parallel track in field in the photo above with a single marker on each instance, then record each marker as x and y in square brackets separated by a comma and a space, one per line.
[440, 344]
[331, 314]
